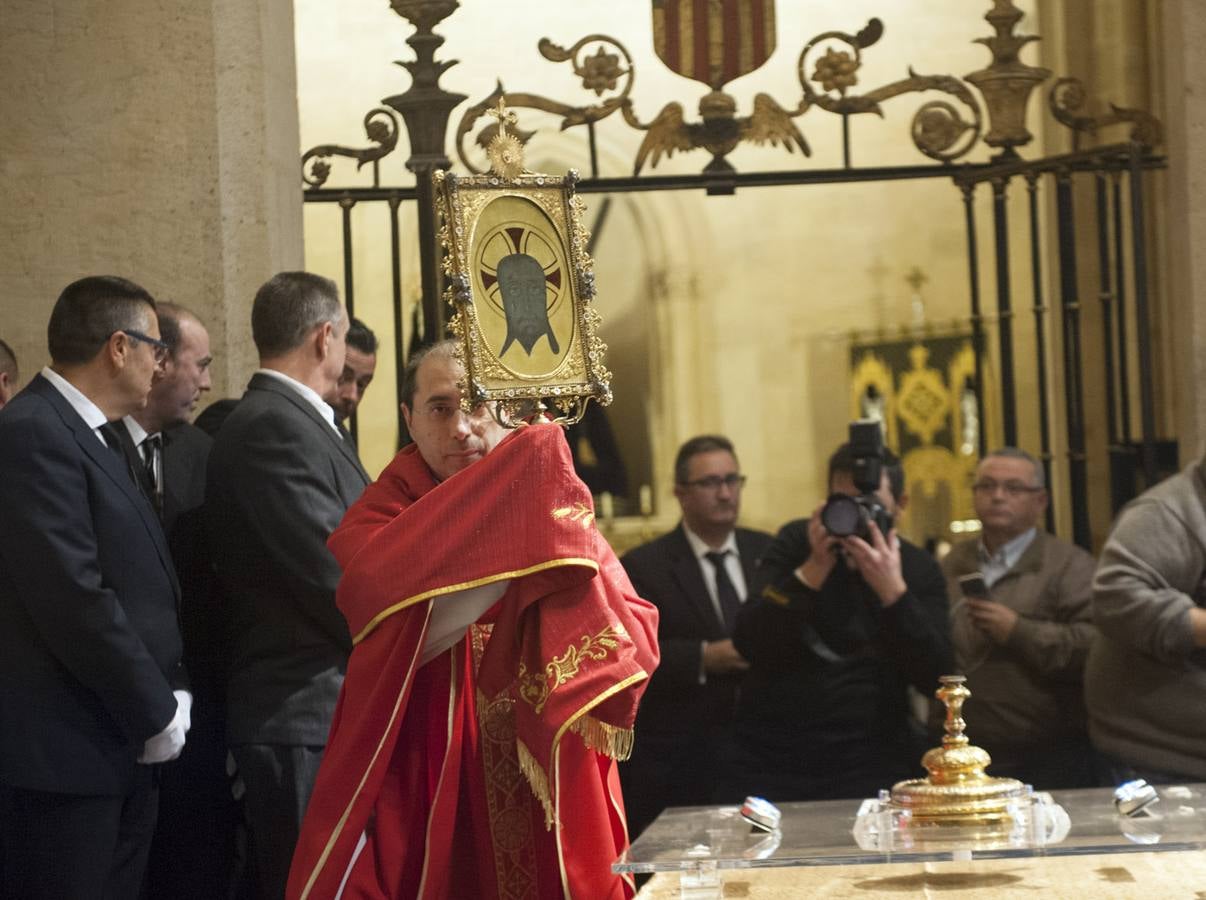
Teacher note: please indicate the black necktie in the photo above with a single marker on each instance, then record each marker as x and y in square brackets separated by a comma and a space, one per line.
[153, 464]
[730, 603]
[113, 438]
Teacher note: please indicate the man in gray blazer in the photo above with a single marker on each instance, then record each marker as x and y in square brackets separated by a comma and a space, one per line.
[280, 477]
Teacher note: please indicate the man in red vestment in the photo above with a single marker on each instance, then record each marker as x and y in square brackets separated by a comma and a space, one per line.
[500, 652]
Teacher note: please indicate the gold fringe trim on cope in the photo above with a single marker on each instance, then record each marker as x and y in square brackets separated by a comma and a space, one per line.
[609, 740]
[603, 738]
[538, 781]
[598, 736]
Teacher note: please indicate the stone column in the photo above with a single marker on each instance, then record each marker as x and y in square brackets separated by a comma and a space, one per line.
[1184, 30]
[154, 140]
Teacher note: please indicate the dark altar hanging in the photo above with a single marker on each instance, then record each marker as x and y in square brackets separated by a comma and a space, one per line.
[923, 391]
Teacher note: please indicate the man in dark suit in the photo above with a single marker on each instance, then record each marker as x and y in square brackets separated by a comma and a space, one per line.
[9, 377]
[836, 630]
[696, 575]
[359, 366]
[165, 419]
[281, 475]
[91, 682]
[192, 854]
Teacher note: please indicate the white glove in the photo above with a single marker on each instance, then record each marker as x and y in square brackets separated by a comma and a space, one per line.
[167, 745]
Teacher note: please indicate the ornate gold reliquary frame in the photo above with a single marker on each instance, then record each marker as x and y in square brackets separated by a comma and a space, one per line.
[519, 276]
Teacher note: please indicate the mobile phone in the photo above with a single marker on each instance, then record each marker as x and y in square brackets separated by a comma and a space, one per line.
[973, 586]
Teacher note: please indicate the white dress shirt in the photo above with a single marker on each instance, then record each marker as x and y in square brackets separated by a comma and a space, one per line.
[732, 565]
[138, 434]
[308, 394]
[88, 411]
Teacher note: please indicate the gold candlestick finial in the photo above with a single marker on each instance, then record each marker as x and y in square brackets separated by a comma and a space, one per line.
[953, 694]
[505, 151]
[504, 116]
[956, 791]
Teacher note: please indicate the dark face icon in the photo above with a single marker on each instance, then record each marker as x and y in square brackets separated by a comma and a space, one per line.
[521, 281]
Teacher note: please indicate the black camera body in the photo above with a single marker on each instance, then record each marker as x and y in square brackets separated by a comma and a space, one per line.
[844, 515]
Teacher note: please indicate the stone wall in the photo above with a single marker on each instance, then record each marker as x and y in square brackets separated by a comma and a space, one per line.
[157, 141]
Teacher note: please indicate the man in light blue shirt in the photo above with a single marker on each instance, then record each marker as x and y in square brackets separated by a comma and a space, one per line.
[1021, 636]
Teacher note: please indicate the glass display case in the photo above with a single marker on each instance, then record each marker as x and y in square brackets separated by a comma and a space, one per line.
[701, 843]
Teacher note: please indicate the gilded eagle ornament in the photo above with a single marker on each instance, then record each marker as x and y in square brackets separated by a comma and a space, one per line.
[714, 43]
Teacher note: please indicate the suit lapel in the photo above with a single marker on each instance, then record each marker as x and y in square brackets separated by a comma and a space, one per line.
[684, 568]
[972, 645]
[268, 383]
[86, 438]
[111, 465]
[1031, 560]
[347, 446]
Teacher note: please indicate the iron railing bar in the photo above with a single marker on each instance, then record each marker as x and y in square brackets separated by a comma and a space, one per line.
[349, 294]
[395, 248]
[1106, 295]
[1073, 392]
[1124, 379]
[1040, 340]
[1000, 215]
[977, 319]
[1110, 158]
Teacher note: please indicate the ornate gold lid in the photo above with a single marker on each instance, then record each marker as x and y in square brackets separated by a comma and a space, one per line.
[957, 790]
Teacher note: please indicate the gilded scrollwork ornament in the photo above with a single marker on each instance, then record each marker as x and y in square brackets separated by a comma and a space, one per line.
[380, 126]
[609, 69]
[1068, 99]
[713, 48]
[939, 129]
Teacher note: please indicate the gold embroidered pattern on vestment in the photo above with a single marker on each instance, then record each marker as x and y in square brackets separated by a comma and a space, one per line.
[579, 512]
[512, 837]
[535, 688]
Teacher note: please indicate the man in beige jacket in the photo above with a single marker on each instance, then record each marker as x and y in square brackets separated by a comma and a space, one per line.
[1021, 635]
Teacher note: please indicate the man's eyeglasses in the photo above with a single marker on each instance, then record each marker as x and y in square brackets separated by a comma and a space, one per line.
[1012, 488]
[715, 482]
[158, 346]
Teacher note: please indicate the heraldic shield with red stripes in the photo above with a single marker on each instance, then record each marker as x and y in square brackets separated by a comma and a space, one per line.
[714, 41]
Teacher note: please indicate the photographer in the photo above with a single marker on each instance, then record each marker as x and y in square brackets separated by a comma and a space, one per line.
[835, 631]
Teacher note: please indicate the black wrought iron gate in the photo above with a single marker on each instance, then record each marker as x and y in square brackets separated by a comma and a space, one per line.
[1113, 177]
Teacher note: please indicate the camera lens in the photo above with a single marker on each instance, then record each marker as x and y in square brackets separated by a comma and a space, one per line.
[841, 516]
